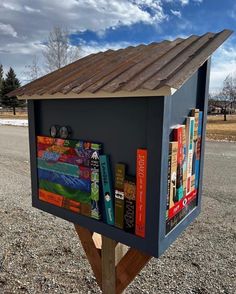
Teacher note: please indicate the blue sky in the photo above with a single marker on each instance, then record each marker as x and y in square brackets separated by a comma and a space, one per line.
[97, 25]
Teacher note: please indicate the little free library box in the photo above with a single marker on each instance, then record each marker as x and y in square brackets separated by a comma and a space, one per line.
[117, 140]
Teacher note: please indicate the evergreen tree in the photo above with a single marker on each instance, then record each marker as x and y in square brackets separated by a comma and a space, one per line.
[9, 84]
[1, 82]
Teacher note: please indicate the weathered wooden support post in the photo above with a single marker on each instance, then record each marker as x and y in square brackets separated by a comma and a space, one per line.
[113, 267]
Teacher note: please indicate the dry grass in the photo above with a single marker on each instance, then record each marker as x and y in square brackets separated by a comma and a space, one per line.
[19, 115]
[218, 129]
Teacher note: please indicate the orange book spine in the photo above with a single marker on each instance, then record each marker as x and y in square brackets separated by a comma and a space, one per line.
[141, 183]
[59, 200]
[51, 198]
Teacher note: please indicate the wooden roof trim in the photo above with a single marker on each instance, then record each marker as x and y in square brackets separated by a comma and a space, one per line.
[163, 91]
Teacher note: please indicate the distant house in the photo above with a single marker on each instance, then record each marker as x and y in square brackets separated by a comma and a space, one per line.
[214, 110]
[218, 106]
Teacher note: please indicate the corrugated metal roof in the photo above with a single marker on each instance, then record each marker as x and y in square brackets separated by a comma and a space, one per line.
[143, 70]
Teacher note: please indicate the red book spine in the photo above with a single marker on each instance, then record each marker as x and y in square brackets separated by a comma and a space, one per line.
[178, 136]
[141, 183]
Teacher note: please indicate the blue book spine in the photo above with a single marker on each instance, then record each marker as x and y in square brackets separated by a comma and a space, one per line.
[107, 188]
[199, 136]
[65, 180]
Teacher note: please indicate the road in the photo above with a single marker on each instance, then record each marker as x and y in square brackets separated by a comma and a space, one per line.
[40, 253]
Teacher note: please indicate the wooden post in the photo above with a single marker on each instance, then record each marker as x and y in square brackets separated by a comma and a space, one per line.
[108, 266]
[114, 266]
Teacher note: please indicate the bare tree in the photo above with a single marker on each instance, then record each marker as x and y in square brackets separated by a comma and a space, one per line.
[226, 97]
[33, 70]
[58, 51]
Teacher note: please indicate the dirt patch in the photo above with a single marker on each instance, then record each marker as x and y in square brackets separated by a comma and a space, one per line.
[218, 129]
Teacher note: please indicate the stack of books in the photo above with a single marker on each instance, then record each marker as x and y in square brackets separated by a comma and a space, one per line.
[184, 163]
[68, 174]
[74, 175]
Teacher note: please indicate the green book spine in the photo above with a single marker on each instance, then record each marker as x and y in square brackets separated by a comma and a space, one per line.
[94, 163]
[119, 195]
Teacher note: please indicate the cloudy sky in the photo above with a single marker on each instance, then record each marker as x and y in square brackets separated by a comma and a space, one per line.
[97, 25]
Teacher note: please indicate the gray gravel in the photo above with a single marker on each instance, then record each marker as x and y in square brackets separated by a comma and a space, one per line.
[40, 253]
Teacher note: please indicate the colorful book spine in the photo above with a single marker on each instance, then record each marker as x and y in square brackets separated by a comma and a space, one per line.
[51, 198]
[195, 113]
[65, 168]
[178, 137]
[141, 186]
[65, 180]
[184, 159]
[194, 156]
[168, 183]
[74, 194]
[190, 146]
[198, 152]
[130, 199]
[59, 201]
[173, 172]
[94, 164]
[192, 183]
[119, 195]
[107, 188]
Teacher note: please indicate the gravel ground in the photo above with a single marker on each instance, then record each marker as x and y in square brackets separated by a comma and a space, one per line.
[40, 253]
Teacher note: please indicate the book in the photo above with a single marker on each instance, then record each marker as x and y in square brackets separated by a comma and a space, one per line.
[64, 180]
[65, 168]
[168, 183]
[184, 159]
[198, 151]
[192, 183]
[63, 202]
[119, 195]
[130, 197]
[195, 113]
[178, 137]
[173, 150]
[94, 165]
[194, 156]
[107, 188]
[141, 186]
[190, 146]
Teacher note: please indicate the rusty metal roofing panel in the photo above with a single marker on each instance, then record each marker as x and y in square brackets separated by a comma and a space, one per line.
[141, 70]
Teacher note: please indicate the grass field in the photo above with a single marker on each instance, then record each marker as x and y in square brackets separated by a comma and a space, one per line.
[218, 129]
[20, 115]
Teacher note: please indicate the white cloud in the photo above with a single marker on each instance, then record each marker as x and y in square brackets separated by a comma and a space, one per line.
[184, 2]
[7, 29]
[30, 9]
[223, 64]
[12, 6]
[155, 8]
[176, 13]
